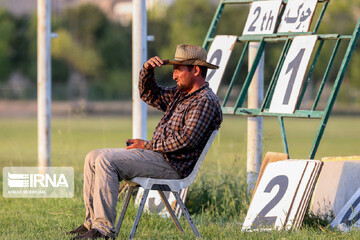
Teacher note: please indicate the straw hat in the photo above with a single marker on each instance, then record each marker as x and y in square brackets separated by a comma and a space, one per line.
[191, 55]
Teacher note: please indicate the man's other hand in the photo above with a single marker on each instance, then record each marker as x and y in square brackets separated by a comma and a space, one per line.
[135, 143]
[155, 62]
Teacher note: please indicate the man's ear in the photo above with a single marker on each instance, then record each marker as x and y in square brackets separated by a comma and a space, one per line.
[197, 71]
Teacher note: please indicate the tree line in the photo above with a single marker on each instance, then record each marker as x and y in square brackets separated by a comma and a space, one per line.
[91, 55]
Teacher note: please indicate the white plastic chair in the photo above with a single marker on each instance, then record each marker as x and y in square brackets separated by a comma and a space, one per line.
[173, 185]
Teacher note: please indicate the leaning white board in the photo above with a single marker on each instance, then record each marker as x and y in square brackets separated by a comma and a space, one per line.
[297, 16]
[262, 17]
[349, 216]
[292, 74]
[338, 182]
[219, 54]
[280, 198]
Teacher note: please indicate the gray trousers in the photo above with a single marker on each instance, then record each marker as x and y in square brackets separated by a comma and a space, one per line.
[104, 169]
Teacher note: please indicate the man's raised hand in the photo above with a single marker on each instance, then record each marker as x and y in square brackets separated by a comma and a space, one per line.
[155, 62]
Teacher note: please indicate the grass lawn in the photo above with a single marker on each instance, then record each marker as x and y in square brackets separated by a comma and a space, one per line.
[217, 199]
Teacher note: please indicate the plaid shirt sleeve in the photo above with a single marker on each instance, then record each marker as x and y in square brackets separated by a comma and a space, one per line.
[151, 93]
[197, 119]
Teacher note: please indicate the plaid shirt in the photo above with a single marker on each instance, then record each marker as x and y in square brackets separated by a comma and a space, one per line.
[187, 124]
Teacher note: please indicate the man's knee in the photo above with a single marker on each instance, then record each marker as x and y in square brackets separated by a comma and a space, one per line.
[103, 162]
[90, 157]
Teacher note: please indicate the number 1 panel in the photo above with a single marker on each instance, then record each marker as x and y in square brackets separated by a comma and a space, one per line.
[292, 75]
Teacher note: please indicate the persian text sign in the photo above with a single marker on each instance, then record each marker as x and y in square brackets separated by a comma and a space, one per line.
[297, 16]
[38, 182]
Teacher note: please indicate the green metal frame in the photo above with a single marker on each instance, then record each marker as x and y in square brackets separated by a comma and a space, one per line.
[286, 39]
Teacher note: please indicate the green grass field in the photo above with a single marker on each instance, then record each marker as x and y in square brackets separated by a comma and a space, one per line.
[217, 200]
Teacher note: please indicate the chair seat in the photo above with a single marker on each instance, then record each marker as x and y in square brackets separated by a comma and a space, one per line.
[159, 184]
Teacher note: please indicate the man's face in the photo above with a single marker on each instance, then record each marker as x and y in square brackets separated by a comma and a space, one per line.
[183, 75]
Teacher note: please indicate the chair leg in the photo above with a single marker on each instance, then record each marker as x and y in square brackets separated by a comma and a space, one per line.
[186, 214]
[172, 214]
[183, 194]
[139, 212]
[123, 209]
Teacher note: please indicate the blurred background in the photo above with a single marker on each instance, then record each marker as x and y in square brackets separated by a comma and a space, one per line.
[91, 56]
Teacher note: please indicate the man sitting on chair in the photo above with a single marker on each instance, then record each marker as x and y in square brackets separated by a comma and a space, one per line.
[192, 113]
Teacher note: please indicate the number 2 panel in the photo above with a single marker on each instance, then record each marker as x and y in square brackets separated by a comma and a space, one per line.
[219, 54]
[292, 75]
[274, 195]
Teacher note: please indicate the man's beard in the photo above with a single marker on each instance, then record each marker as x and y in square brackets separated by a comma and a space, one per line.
[183, 88]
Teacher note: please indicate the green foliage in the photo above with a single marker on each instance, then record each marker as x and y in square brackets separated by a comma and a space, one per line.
[188, 21]
[340, 17]
[222, 197]
[100, 49]
[30, 62]
[97, 48]
[7, 30]
[83, 59]
[115, 47]
[118, 85]
[86, 23]
[354, 70]
[317, 222]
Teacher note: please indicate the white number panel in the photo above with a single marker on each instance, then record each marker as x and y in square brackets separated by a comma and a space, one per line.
[282, 195]
[219, 54]
[262, 17]
[349, 216]
[292, 75]
[154, 203]
[297, 16]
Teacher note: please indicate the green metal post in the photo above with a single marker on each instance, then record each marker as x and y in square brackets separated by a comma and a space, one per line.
[213, 24]
[287, 37]
[327, 71]
[321, 16]
[236, 73]
[306, 83]
[283, 135]
[335, 90]
[250, 75]
[271, 88]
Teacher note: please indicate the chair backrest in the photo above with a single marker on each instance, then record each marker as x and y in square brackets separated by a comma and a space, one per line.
[190, 179]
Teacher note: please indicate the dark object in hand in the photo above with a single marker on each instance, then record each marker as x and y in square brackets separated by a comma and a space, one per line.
[128, 144]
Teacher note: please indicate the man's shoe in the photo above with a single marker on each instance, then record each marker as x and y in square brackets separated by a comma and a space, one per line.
[79, 230]
[92, 234]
